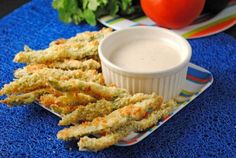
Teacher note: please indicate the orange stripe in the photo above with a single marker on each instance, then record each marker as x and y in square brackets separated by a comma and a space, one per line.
[214, 28]
[166, 118]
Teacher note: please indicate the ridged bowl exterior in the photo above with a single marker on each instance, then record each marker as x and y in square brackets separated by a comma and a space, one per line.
[166, 82]
[167, 86]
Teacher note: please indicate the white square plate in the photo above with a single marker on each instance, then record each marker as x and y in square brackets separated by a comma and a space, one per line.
[197, 81]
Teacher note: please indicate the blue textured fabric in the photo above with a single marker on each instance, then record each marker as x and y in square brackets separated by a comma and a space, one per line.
[205, 128]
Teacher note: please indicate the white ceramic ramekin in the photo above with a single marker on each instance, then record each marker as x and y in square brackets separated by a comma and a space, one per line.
[167, 83]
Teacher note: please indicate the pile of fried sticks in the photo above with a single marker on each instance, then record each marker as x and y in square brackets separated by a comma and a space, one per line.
[66, 78]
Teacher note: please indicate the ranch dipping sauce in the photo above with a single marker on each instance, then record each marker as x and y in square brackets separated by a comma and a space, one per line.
[146, 55]
[145, 59]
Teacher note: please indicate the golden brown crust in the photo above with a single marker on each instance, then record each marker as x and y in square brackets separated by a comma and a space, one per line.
[85, 36]
[65, 78]
[100, 108]
[90, 88]
[64, 65]
[96, 144]
[113, 121]
[82, 46]
[75, 50]
[40, 78]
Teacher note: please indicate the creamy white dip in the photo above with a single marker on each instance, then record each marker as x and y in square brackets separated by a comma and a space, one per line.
[146, 55]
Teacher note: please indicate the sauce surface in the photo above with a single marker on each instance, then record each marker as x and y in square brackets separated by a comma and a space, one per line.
[146, 56]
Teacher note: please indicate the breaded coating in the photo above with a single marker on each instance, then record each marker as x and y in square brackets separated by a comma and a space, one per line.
[39, 79]
[74, 99]
[131, 99]
[65, 78]
[47, 100]
[84, 37]
[67, 99]
[76, 50]
[100, 108]
[27, 98]
[87, 113]
[28, 70]
[65, 65]
[112, 121]
[90, 36]
[13, 100]
[63, 109]
[155, 116]
[90, 88]
[96, 144]
[76, 64]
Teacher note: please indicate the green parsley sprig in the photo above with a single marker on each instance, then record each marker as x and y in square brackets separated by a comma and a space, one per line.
[78, 11]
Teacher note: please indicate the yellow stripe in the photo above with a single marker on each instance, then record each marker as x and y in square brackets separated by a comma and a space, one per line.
[140, 18]
[116, 21]
[106, 18]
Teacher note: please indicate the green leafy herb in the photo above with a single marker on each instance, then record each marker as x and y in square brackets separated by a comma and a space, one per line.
[78, 11]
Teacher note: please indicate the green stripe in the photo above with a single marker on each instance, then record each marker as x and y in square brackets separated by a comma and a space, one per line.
[181, 102]
[187, 92]
[139, 19]
[116, 21]
[189, 34]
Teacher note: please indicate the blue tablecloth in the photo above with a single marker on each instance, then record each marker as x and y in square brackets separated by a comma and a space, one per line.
[205, 128]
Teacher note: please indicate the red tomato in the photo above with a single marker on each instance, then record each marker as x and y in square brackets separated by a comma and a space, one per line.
[172, 13]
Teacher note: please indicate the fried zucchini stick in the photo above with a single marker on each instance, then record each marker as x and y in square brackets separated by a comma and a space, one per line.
[28, 70]
[39, 79]
[87, 113]
[113, 121]
[76, 50]
[62, 109]
[90, 88]
[19, 99]
[47, 100]
[84, 37]
[71, 99]
[76, 64]
[65, 65]
[153, 118]
[74, 99]
[96, 144]
[90, 36]
[99, 109]
[26, 98]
